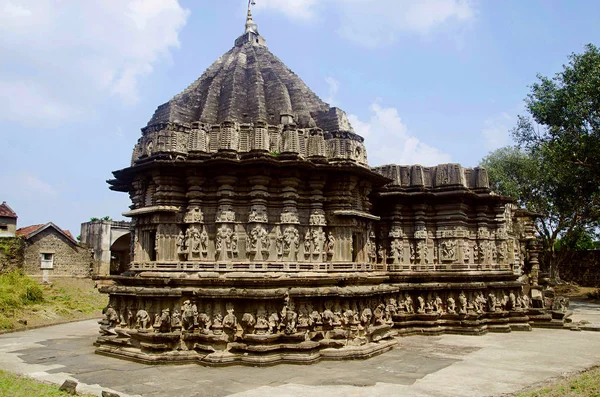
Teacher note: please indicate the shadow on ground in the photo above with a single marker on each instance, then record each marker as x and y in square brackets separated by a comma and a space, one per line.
[403, 365]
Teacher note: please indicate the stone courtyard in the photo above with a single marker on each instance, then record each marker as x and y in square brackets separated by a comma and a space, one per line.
[447, 365]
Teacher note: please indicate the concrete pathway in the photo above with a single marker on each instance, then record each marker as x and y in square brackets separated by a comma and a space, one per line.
[449, 365]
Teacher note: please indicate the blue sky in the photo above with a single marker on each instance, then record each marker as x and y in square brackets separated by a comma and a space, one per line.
[428, 81]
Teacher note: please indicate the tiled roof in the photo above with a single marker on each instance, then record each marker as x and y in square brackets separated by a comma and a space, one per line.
[32, 230]
[6, 211]
[26, 231]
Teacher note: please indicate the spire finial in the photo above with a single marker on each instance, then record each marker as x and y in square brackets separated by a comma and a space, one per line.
[251, 27]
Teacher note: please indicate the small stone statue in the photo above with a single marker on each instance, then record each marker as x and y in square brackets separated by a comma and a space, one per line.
[230, 321]
[330, 244]
[189, 316]
[366, 316]
[462, 303]
[408, 304]
[451, 305]
[248, 322]
[110, 321]
[421, 308]
[142, 319]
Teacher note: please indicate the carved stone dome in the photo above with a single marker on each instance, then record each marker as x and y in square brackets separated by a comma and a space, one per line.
[248, 101]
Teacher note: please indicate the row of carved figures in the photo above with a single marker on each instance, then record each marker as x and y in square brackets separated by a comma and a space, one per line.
[195, 241]
[482, 251]
[187, 317]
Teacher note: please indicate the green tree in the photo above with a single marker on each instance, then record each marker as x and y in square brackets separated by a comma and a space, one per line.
[555, 169]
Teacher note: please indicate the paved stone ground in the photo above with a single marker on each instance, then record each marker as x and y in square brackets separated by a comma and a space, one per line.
[449, 365]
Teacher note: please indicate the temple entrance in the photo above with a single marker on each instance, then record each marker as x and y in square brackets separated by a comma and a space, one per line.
[119, 254]
[355, 246]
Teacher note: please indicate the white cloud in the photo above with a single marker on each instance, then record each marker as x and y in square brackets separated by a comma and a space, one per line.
[496, 131]
[389, 142]
[64, 59]
[27, 186]
[334, 87]
[378, 23]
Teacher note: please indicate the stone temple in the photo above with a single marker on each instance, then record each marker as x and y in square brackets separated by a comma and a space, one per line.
[260, 234]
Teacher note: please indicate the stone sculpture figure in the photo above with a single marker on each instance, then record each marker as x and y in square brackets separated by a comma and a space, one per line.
[142, 319]
[408, 304]
[462, 303]
[422, 252]
[180, 243]
[492, 302]
[512, 301]
[396, 250]
[438, 304]
[451, 305]
[110, 321]
[379, 314]
[189, 315]
[291, 241]
[421, 308]
[448, 250]
[372, 248]
[230, 320]
[176, 319]
[480, 303]
[278, 242]
[467, 251]
[366, 316]
[330, 244]
[204, 241]
[307, 240]
[204, 323]
[317, 240]
[165, 321]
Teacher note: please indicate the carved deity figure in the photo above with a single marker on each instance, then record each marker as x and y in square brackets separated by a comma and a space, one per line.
[451, 305]
[317, 240]
[408, 304]
[230, 321]
[278, 242]
[421, 308]
[194, 240]
[372, 248]
[492, 302]
[224, 241]
[422, 252]
[396, 250]
[467, 251]
[110, 321]
[176, 319]
[181, 243]
[165, 321]
[438, 304]
[512, 301]
[189, 314]
[479, 303]
[142, 319]
[462, 303]
[307, 240]
[366, 316]
[291, 240]
[330, 244]
[248, 322]
[204, 241]
[448, 250]
[259, 239]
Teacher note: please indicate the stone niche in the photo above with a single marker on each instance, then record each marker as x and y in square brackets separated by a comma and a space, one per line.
[261, 235]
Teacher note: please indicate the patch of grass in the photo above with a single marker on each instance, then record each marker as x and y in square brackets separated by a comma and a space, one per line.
[584, 384]
[23, 298]
[17, 386]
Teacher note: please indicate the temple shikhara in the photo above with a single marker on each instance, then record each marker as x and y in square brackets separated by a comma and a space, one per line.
[260, 234]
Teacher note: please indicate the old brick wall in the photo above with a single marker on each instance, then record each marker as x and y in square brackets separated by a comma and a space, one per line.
[69, 259]
[582, 267]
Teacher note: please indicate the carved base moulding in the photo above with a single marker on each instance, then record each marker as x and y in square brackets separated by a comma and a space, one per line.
[220, 326]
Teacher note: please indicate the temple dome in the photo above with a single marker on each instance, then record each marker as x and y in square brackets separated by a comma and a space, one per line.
[249, 84]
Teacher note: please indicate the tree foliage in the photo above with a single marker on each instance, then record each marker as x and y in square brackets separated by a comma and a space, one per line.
[555, 168]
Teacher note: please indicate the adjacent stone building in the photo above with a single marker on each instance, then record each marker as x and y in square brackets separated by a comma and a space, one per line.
[260, 233]
[52, 252]
[110, 242]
